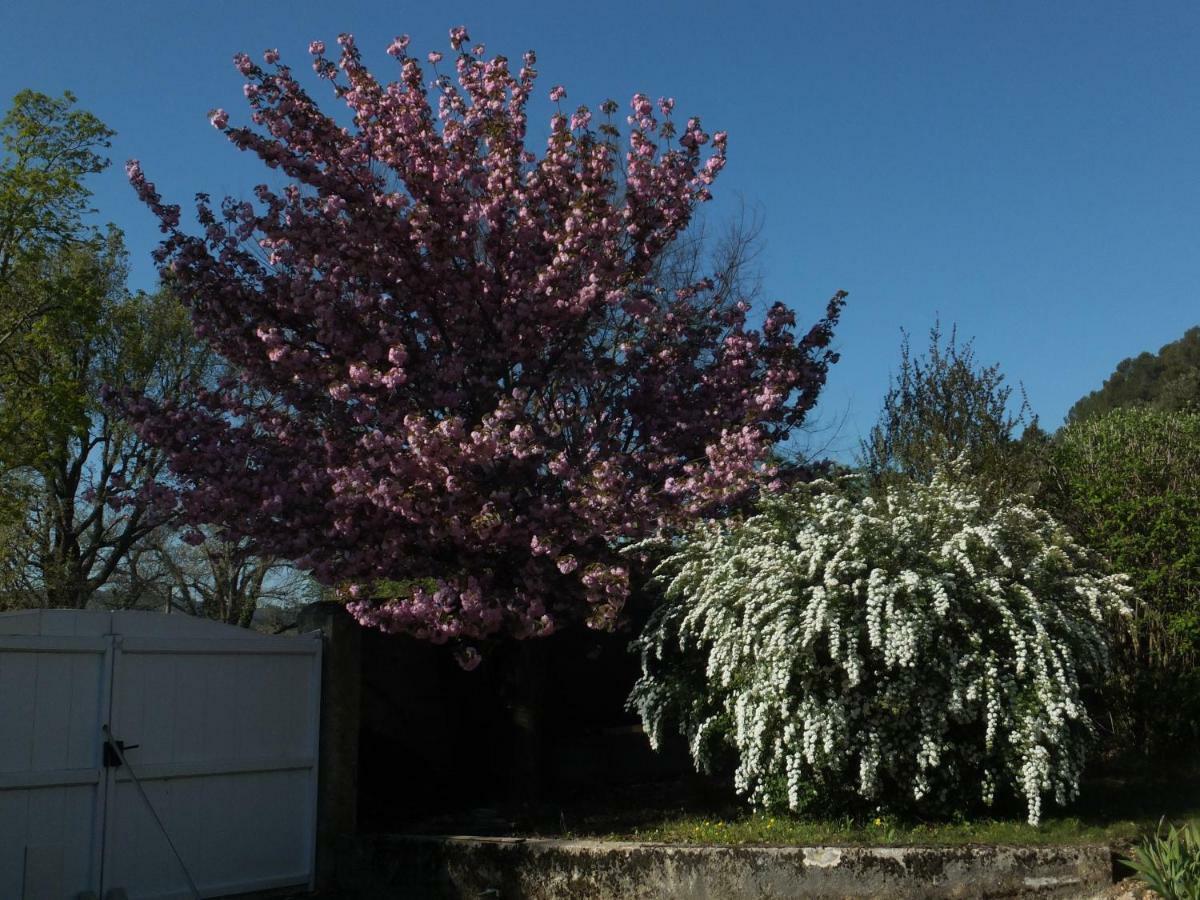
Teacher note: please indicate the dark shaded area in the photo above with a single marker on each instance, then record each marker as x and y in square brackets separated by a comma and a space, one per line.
[1139, 789]
[439, 747]
[438, 750]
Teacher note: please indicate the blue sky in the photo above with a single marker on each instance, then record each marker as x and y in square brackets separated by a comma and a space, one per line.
[1027, 170]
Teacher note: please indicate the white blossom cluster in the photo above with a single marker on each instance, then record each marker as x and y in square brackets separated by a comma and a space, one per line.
[922, 650]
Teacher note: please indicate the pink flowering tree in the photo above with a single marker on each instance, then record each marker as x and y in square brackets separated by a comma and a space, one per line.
[461, 390]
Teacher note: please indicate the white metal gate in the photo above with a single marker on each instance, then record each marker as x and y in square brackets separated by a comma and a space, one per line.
[219, 726]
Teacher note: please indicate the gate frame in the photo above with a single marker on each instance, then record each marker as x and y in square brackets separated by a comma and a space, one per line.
[111, 642]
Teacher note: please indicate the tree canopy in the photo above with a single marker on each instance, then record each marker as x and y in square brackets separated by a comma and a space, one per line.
[49, 148]
[943, 405]
[88, 482]
[77, 486]
[1168, 379]
[458, 371]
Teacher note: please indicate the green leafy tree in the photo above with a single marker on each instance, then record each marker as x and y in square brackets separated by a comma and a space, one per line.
[77, 521]
[1128, 483]
[49, 149]
[1169, 379]
[38, 404]
[944, 405]
[90, 481]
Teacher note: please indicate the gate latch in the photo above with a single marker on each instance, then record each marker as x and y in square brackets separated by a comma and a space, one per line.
[112, 758]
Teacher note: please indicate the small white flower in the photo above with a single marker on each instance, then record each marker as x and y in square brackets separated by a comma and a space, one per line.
[876, 643]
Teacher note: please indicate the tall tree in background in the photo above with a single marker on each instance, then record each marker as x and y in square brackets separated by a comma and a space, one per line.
[220, 579]
[468, 372]
[1168, 380]
[49, 149]
[78, 519]
[92, 483]
[53, 267]
[944, 405]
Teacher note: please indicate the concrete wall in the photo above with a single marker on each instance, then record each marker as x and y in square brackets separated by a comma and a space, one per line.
[516, 869]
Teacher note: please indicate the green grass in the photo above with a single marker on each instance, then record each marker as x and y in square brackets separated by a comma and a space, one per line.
[1116, 808]
[758, 828]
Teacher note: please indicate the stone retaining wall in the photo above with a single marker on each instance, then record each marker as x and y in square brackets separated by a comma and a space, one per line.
[519, 869]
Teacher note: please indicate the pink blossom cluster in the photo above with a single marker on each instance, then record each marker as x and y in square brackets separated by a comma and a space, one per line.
[455, 365]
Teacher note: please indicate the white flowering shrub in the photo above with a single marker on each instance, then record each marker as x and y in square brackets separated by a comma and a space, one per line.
[918, 653]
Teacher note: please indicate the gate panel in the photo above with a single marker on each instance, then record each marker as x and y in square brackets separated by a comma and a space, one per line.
[53, 700]
[226, 730]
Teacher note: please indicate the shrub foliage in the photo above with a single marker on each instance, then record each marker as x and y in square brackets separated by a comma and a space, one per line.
[918, 652]
[944, 403]
[1170, 863]
[1128, 482]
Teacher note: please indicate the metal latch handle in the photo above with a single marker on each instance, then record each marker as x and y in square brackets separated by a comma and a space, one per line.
[114, 752]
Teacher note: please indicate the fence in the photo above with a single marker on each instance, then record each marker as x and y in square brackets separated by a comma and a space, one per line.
[164, 755]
